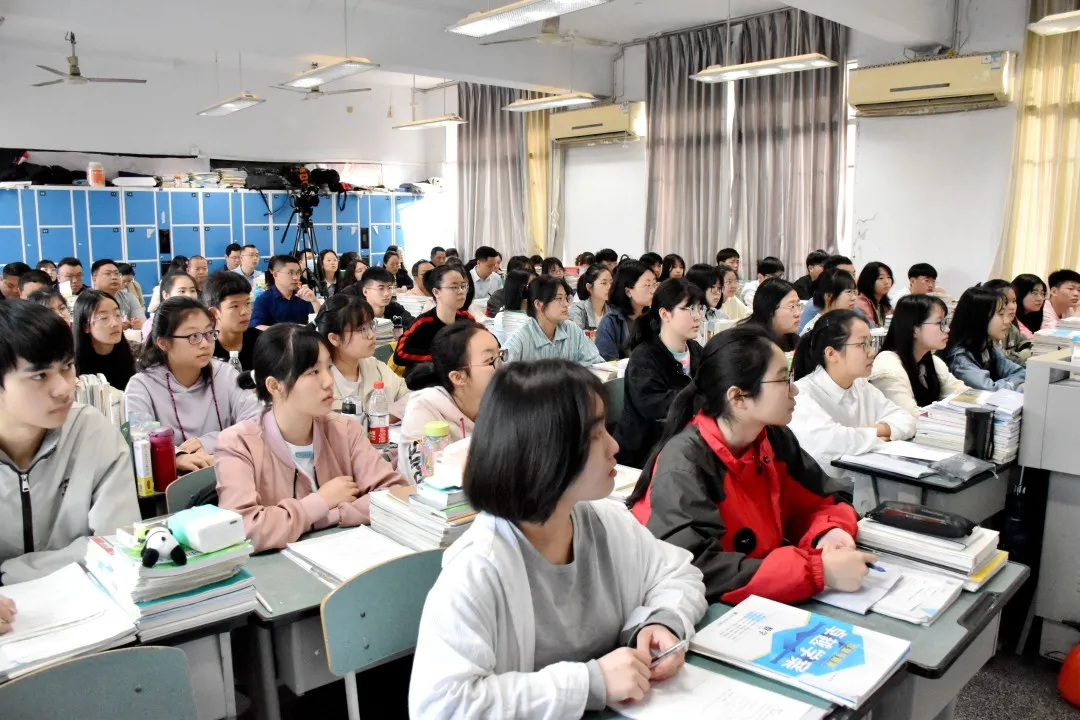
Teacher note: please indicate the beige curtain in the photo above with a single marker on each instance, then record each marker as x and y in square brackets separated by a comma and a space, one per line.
[538, 164]
[1043, 217]
[790, 140]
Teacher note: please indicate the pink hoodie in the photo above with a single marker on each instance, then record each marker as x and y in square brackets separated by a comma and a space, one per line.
[257, 478]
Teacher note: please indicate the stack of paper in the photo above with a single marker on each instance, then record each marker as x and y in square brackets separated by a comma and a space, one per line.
[384, 331]
[876, 585]
[944, 423]
[919, 597]
[961, 556]
[168, 597]
[699, 693]
[336, 557]
[233, 177]
[398, 514]
[61, 616]
[95, 390]
[1045, 342]
[831, 659]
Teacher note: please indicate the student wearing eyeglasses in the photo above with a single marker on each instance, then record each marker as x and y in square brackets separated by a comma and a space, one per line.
[297, 466]
[450, 288]
[834, 290]
[287, 300]
[665, 358]
[839, 412]
[448, 387]
[181, 386]
[777, 308]
[730, 483]
[631, 295]
[906, 370]
[347, 323]
[548, 332]
[100, 347]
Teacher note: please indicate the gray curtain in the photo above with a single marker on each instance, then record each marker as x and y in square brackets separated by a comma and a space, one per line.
[790, 140]
[491, 172]
[689, 153]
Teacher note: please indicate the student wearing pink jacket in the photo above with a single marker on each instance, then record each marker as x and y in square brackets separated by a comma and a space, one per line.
[298, 466]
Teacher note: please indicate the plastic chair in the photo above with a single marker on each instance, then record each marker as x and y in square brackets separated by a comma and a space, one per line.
[615, 400]
[128, 684]
[181, 494]
[375, 617]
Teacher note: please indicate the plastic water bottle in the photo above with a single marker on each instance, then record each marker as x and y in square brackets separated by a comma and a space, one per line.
[378, 415]
[399, 328]
[234, 361]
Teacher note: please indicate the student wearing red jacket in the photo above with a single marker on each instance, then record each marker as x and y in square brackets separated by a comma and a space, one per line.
[731, 484]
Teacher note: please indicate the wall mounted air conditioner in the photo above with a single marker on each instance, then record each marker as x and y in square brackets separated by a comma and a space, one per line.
[621, 122]
[928, 87]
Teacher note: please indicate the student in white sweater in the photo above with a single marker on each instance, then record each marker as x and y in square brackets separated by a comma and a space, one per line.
[347, 323]
[906, 370]
[554, 600]
[464, 358]
[838, 412]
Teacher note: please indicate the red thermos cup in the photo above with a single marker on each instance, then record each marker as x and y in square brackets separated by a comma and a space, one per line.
[162, 458]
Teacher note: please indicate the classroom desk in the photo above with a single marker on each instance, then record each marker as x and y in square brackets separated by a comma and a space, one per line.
[209, 656]
[977, 498]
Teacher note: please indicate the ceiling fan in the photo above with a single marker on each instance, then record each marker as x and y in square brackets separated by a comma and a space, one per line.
[316, 92]
[74, 76]
[550, 35]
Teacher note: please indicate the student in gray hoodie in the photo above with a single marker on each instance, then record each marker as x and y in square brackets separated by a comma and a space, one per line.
[180, 385]
[65, 471]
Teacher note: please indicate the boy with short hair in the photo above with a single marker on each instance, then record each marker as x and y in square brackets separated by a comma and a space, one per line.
[729, 257]
[70, 270]
[65, 471]
[438, 256]
[32, 282]
[767, 267]
[9, 287]
[485, 279]
[287, 300]
[1064, 297]
[835, 262]
[922, 280]
[227, 295]
[376, 286]
[815, 265]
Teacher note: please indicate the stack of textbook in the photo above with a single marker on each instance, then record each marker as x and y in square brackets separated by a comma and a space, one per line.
[411, 515]
[95, 390]
[832, 659]
[1063, 336]
[169, 598]
[972, 560]
[944, 423]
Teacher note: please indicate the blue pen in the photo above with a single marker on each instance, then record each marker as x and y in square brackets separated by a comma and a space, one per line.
[876, 568]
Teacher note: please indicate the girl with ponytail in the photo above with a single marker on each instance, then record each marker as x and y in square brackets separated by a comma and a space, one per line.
[730, 483]
[663, 361]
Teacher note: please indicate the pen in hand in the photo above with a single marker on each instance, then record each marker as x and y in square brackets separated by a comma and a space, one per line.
[657, 659]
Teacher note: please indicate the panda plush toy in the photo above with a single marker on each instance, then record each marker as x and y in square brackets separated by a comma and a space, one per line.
[161, 543]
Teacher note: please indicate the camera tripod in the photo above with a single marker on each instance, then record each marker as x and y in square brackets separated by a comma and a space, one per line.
[305, 238]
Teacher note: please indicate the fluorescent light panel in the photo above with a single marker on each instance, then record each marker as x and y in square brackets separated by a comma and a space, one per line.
[1058, 24]
[516, 14]
[551, 102]
[762, 68]
[438, 122]
[233, 104]
[329, 73]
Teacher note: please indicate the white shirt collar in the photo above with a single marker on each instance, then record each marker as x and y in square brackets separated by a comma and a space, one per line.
[834, 392]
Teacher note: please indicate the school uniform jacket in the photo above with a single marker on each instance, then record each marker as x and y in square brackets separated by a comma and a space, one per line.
[751, 523]
[415, 344]
[653, 378]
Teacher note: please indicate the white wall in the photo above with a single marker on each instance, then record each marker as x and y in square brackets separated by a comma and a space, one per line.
[604, 200]
[935, 188]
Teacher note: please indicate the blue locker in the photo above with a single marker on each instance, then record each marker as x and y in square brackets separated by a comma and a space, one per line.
[11, 245]
[364, 202]
[403, 207]
[142, 243]
[9, 207]
[82, 228]
[187, 241]
[257, 235]
[216, 265]
[215, 208]
[104, 206]
[280, 245]
[163, 214]
[148, 274]
[324, 213]
[381, 238]
[236, 201]
[348, 239]
[351, 212]
[399, 240]
[54, 207]
[106, 242]
[255, 208]
[324, 235]
[139, 207]
[57, 243]
[381, 211]
[28, 200]
[185, 208]
[215, 239]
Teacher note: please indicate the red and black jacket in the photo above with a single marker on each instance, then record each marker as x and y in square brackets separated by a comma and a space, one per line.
[415, 343]
[751, 522]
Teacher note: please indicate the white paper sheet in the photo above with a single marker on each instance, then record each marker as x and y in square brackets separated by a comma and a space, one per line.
[876, 585]
[699, 693]
[345, 554]
[908, 449]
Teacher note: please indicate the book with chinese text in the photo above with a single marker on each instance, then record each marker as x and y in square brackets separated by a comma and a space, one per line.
[832, 659]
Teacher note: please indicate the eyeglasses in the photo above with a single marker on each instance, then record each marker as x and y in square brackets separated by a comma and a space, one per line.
[790, 308]
[561, 299]
[109, 274]
[288, 273]
[789, 379]
[197, 338]
[868, 346]
[381, 289]
[497, 360]
[463, 287]
[367, 329]
[106, 318]
[943, 324]
[694, 310]
[651, 286]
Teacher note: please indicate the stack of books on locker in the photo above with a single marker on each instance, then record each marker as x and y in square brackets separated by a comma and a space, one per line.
[1063, 336]
[95, 390]
[944, 423]
[168, 597]
[384, 331]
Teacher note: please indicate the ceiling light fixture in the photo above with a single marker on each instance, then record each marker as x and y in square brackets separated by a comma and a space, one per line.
[328, 73]
[550, 102]
[762, 68]
[241, 101]
[447, 119]
[524, 12]
[1058, 24]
